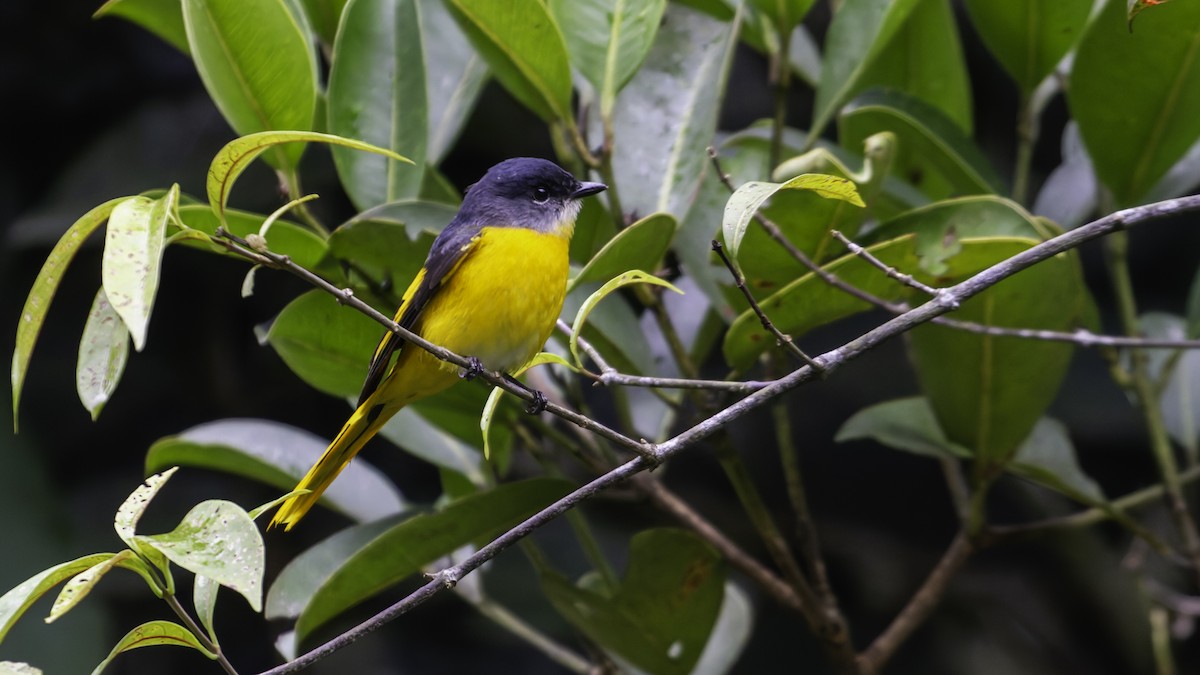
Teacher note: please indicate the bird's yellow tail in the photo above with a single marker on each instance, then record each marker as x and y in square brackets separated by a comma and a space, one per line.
[359, 429]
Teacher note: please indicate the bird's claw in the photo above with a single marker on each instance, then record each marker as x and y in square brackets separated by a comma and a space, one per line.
[473, 370]
[538, 404]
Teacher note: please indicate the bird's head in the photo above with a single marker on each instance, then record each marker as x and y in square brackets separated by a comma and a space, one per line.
[527, 192]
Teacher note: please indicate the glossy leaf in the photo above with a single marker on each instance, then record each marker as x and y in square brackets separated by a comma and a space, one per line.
[934, 154]
[301, 244]
[33, 314]
[325, 344]
[455, 75]
[322, 583]
[661, 616]
[164, 18]
[524, 49]
[257, 63]
[278, 455]
[613, 328]
[133, 249]
[639, 246]
[385, 104]
[219, 540]
[18, 599]
[809, 302]
[418, 436]
[103, 351]
[748, 198]
[859, 32]
[78, 587]
[729, 635]
[924, 60]
[154, 633]
[668, 113]
[608, 40]
[1134, 137]
[18, 668]
[324, 16]
[1029, 37]
[625, 279]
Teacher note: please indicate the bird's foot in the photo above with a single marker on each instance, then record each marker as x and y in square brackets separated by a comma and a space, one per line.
[473, 370]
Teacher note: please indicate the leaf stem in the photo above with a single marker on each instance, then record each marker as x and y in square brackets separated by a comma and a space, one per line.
[201, 637]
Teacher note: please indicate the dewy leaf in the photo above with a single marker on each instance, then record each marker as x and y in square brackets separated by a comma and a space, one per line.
[33, 315]
[103, 351]
[257, 62]
[1134, 137]
[1029, 37]
[662, 614]
[630, 277]
[524, 48]
[81, 584]
[383, 104]
[859, 32]
[320, 584]
[639, 246]
[154, 633]
[278, 455]
[747, 199]
[934, 152]
[237, 154]
[21, 597]
[455, 74]
[135, 504]
[668, 113]
[164, 18]
[219, 540]
[608, 40]
[133, 249]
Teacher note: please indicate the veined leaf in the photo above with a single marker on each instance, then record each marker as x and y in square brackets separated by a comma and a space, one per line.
[1029, 37]
[164, 18]
[630, 277]
[103, 351]
[639, 246]
[154, 633]
[747, 199]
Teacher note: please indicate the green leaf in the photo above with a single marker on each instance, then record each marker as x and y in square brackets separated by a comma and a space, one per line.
[729, 634]
[625, 279]
[1029, 37]
[204, 599]
[354, 565]
[934, 154]
[489, 408]
[103, 351]
[414, 433]
[278, 455]
[1136, 7]
[154, 633]
[904, 424]
[301, 244]
[668, 113]
[614, 329]
[135, 504]
[390, 242]
[858, 34]
[525, 50]
[326, 344]
[324, 16]
[133, 248]
[383, 104]
[989, 391]
[661, 616]
[1070, 193]
[455, 74]
[1134, 137]
[608, 40]
[748, 198]
[18, 668]
[257, 63]
[237, 154]
[219, 540]
[639, 246]
[164, 18]
[1047, 457]
[809, 302]
[924, 60]
[14, 603]
[81, 584]
[33, 314]
[785, 14]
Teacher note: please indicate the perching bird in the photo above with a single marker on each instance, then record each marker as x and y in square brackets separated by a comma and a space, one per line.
[491, 288]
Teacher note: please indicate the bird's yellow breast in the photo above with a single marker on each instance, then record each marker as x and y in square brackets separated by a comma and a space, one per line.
[499, 305]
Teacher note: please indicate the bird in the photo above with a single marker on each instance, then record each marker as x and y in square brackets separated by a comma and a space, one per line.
[491, 289]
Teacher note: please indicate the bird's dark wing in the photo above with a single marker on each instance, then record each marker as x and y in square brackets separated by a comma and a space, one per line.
[447, 253]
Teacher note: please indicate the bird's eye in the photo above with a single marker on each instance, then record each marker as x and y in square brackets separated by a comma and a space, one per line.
[540, 195]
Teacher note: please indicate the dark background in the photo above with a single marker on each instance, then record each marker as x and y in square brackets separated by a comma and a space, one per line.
[99, 109]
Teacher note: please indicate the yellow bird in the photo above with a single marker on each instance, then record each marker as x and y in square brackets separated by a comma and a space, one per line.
[491, 289]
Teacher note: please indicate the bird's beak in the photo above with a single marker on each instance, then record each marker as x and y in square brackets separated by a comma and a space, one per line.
[585, 188]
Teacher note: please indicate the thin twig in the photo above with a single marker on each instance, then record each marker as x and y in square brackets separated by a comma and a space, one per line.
[740, 281]
[195, 630]
[919, 606]
[891, 272]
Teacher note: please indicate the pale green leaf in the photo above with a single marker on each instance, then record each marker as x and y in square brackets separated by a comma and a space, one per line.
[154, 633]
[630, 277]
[103, 351]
